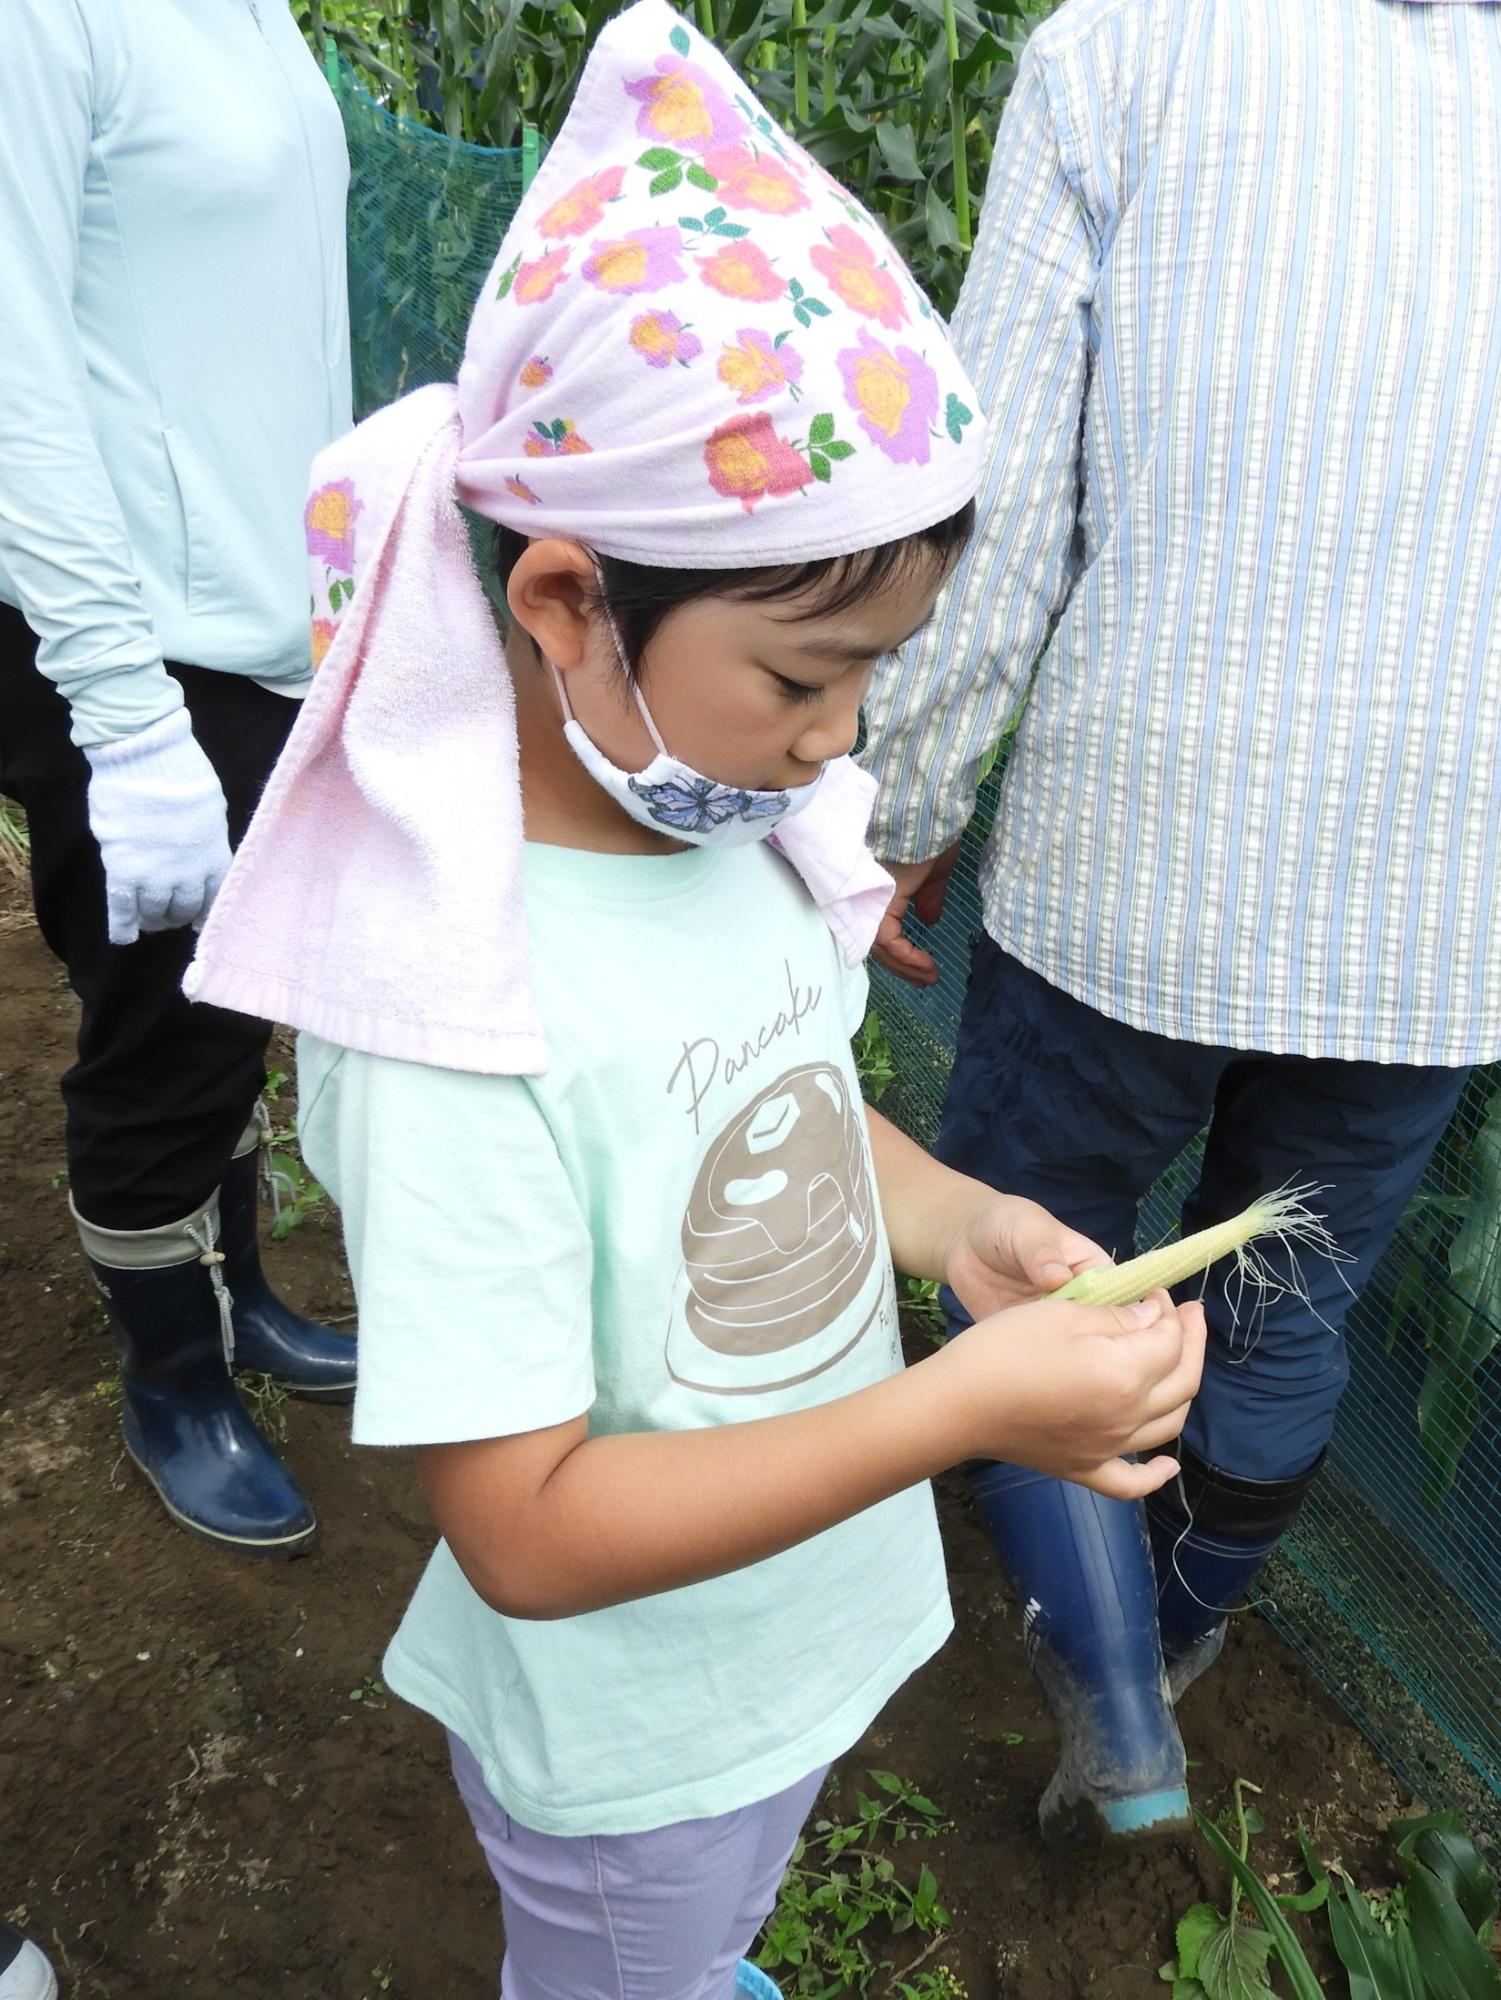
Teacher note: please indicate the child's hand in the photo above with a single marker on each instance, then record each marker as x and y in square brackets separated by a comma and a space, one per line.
[1007, 1250]
[1070, 1389]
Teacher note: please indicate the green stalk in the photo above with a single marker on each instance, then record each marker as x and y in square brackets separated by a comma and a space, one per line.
[830, 86]
[958, 121]
[706, 17]
[800, 63]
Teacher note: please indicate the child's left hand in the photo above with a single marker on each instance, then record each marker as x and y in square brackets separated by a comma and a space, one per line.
[1007, 1250]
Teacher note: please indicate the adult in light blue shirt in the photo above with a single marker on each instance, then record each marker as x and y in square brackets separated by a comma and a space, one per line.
[173, 351]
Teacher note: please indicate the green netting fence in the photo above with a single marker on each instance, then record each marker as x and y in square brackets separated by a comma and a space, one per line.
[1391, 1583]
[426, 215]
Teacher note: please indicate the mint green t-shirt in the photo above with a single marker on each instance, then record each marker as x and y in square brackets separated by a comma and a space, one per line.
[676, 1226]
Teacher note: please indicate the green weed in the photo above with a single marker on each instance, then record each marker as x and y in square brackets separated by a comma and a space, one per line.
[844, 1902]
[266, 1401]
[874, 1063]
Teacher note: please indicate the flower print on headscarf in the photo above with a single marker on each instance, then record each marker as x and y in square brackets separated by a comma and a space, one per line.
[536, 282]
[855, 274]
[747, 461]
[583, 207]
[742, 271]
[559, 439]
[661, 339]
[895, 395]
[682, 106]
[644, 260]
[329, 519]
[730, 335]
[754, 180]
[756, 366]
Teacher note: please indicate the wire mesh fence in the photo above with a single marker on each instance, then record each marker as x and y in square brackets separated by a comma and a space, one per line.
[1392, 1580]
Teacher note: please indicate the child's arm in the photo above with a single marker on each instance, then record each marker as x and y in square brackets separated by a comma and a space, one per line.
[555, 1522]
[995, 1250]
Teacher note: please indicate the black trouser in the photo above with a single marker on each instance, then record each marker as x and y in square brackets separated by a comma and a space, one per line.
[161, 1090]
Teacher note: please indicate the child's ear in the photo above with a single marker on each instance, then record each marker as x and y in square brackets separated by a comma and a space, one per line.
[548, 594]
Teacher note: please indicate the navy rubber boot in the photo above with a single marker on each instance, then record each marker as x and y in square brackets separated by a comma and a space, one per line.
[185, 1428]
[1081, 1567]
[1211, 1533]
[300, 1356]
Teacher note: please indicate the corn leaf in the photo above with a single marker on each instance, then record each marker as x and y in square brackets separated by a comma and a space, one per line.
[1439, 1842]
[1369, 1954]
[1455, 1964]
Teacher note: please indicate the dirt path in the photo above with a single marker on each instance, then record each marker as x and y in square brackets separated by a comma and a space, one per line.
[201, 1793]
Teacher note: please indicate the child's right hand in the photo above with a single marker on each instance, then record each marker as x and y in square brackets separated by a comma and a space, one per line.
[1069, 1389]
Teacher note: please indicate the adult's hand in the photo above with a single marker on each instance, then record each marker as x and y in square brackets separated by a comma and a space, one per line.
[921, 887]
[157, 810]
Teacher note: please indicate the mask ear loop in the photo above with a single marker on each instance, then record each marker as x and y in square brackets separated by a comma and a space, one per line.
[620, 660]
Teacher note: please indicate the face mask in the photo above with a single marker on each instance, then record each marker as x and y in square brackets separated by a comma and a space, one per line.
[669, 796]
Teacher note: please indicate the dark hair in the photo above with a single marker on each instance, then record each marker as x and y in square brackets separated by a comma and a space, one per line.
[640, 596]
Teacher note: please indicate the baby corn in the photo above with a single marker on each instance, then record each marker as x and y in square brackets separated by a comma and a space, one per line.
[1282, 1215]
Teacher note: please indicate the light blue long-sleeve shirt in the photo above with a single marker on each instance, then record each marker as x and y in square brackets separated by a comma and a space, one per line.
[1235, 318]
[174, 342]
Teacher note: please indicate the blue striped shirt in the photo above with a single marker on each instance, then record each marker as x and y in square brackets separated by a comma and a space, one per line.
[1235, 315]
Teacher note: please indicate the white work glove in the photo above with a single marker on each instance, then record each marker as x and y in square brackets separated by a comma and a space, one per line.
[157, 810]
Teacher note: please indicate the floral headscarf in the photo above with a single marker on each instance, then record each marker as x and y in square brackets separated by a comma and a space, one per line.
[695, 348]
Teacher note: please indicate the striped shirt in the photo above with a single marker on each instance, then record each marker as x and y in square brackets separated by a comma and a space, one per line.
[1235, 315]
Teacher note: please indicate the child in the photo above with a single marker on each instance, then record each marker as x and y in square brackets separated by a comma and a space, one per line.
[576, 938]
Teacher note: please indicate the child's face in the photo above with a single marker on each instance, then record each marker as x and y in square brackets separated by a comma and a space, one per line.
[758, 695]
[762, 695]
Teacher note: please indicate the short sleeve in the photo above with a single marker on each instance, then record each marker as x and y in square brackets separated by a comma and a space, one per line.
[471, 1260]
[854, 988]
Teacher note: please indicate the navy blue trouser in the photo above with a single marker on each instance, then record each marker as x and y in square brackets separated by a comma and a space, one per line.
[1052, 1099]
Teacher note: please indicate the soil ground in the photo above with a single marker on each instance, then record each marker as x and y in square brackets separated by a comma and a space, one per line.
[201, 1791]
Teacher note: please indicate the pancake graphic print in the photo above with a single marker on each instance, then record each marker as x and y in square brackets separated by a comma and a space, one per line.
[780, 1242]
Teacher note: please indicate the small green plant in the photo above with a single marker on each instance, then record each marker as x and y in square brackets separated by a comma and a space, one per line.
[15, 841]
[369, 1689]
[109, 1390]
[842, 1898]
[874, 1063]
[383, 1975]
[921, 1308]
[294, 1193]
[266, 1400]
[1223, 1956]
[1428, 1938]
[940, 1984]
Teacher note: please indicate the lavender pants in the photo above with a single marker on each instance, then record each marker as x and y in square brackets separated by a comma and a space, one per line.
[666, 1915]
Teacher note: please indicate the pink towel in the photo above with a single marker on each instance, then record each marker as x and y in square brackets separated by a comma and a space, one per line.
[694, 349]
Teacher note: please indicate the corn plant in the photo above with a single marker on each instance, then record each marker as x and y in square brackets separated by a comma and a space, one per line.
[1449, 1288]
[899, 98]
